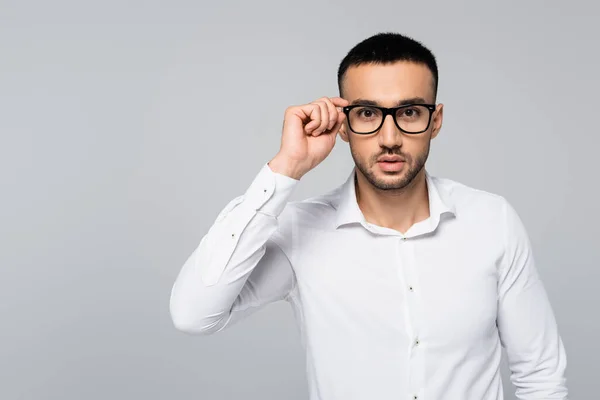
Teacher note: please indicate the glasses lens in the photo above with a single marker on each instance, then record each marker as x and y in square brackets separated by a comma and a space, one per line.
[364, 119]
[411, 119]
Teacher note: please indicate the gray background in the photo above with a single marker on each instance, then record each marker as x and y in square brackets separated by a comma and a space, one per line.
[127, 126]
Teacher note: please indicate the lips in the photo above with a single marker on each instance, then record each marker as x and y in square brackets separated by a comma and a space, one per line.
[390, 158]
[391, 163]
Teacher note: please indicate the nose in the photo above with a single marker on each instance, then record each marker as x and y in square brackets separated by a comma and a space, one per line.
[389, 134]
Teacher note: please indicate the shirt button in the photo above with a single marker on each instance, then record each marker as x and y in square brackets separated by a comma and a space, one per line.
[411, 288]
[415, 397]
[417, 342]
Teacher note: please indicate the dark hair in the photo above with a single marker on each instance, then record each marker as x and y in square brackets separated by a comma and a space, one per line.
[386, 48]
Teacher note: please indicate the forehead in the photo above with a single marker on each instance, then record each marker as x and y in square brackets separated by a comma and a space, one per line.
[388, 83]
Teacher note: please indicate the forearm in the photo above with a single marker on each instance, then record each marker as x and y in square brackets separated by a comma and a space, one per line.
[215, 274]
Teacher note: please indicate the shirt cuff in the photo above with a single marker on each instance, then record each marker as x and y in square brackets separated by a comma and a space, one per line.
[270, 191]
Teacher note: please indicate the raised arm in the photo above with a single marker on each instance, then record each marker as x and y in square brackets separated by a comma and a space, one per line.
[238, 266]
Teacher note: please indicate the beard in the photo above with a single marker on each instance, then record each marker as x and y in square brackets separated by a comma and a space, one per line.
[391, 180]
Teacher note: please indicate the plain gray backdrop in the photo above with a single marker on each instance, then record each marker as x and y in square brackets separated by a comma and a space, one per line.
[127, 125]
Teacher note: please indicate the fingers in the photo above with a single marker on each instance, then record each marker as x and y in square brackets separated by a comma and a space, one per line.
[330, 112]
[324, 115]
[333, 113]
[314, 113]
[339, 102]
[339, 122]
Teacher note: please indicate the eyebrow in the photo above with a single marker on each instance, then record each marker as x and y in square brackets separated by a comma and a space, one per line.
[403, 102]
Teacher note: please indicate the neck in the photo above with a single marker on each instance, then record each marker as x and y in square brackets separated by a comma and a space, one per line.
[395, 209]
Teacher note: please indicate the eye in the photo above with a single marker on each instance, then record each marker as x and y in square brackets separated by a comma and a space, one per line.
[411, 113]
[366, 112]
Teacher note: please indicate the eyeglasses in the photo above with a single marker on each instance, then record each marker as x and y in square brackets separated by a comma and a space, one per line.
[409, 118]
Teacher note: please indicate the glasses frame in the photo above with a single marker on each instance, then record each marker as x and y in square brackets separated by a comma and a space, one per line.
[391, 111]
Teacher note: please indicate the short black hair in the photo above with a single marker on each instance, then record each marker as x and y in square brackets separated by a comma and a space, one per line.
[387, 48]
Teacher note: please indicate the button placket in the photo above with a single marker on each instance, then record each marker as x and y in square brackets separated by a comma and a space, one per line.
[404, 276]
[409, 279]
[416, 351]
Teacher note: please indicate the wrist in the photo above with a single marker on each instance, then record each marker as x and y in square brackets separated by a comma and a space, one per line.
[284, 166]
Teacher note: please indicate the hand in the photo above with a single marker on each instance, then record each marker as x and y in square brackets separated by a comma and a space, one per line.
[309, 134]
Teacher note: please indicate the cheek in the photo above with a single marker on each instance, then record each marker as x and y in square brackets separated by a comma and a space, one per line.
[364, 149]
[416, 147]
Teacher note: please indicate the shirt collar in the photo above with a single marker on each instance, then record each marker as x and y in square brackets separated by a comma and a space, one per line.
[348, 210]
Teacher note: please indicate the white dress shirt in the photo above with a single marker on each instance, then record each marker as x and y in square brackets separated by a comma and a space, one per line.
[383, 315]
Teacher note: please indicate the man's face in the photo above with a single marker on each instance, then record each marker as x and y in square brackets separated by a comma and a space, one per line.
[387, 85]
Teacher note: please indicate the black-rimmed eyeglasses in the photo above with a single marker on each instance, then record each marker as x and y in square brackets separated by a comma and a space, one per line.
[409, 118]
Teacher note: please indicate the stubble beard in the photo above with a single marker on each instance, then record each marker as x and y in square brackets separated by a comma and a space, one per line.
[400, 179]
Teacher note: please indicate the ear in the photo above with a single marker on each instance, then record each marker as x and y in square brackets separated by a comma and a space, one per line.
[437, 120]
[343, 132]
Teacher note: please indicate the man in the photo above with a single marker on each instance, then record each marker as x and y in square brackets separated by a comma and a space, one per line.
[404, 285]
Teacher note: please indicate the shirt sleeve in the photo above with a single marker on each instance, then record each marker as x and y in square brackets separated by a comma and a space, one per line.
[239, 264]
[526, 323]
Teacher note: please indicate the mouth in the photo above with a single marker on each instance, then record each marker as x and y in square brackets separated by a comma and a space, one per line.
[390, 158]
[390, 165]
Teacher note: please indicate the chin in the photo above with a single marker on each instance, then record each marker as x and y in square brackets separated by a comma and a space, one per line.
[388, 180]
